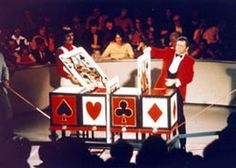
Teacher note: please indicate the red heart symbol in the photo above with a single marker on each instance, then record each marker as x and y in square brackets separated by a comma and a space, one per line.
[93, 109]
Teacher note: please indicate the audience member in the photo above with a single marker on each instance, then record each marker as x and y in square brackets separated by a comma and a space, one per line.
[137, 34]
[92, 38]
[121, 153]
[19, 39]
[42, 53]
[118, 49]
[78, 29]
[199, 31]
[107, 32]
[25, 57]
[124, 21]
[48, 40]
[151, 31]
[153, 153]
[96, 13]
[74, 152]
[173, 39]
[202, 51]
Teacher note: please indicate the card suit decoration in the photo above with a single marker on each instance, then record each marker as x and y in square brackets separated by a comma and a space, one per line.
[155, 112]
[64, 110]
[174, 110]
[123, 111]
[93, 109]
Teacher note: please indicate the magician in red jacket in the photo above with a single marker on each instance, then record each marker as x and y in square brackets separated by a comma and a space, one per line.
[177, 72]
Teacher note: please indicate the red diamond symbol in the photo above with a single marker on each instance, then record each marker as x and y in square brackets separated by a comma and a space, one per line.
[155, 112]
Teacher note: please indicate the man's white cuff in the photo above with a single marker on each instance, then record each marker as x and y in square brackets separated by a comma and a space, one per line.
[147, 50]
[177, 82]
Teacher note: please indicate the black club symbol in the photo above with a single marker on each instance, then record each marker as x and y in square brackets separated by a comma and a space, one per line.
[123, 111]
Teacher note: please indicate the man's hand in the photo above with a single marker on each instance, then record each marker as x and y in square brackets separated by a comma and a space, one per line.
[170, 82]
[141, 46]
[6, 84]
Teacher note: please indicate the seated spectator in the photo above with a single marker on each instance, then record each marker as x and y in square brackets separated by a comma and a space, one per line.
[107, 32]
[11, 54]
[153, 153]
[78, 29]
[202, 51]
[19, 39]
[118, 49]
[25, 57]
[137, 34]
[96, 13]
[178, 25]
[121, 153]
[96, 54]
[199, 31]
[92, 38]
[48, 40]
[173, 38]
[166, 27]
[151, 31]
[42, 53]
[211, 35]
[124, 21]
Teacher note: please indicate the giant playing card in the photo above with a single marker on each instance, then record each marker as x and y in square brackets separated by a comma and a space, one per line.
[144, 72]
[80, 64]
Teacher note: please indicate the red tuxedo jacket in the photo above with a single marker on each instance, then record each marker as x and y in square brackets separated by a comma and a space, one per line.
[184, 73]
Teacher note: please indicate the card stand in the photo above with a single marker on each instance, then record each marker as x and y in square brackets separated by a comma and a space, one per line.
[64, 104]
[159, 112]
[93, 114]
[86, 113]
[124, 113]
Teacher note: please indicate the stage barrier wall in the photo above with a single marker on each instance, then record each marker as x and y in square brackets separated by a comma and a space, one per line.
[212, 83]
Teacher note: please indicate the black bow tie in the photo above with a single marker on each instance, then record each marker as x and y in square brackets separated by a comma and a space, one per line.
[178, 55]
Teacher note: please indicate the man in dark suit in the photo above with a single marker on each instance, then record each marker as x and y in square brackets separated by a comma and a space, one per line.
[42, 53]
[177, 72]
[6, 113]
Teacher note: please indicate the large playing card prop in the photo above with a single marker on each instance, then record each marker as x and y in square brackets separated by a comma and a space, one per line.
[144, 72]
[80, 64]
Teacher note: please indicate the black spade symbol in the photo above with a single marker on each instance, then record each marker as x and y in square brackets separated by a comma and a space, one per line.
[64, 109]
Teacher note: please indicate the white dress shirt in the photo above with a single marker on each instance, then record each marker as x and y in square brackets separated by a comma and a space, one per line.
[175, 63]
[174, 67]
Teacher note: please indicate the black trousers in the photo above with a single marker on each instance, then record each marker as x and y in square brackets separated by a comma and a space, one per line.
[181, 118]
[6, 115]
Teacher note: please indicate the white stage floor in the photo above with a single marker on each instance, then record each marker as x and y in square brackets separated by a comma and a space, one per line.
[35, 127]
